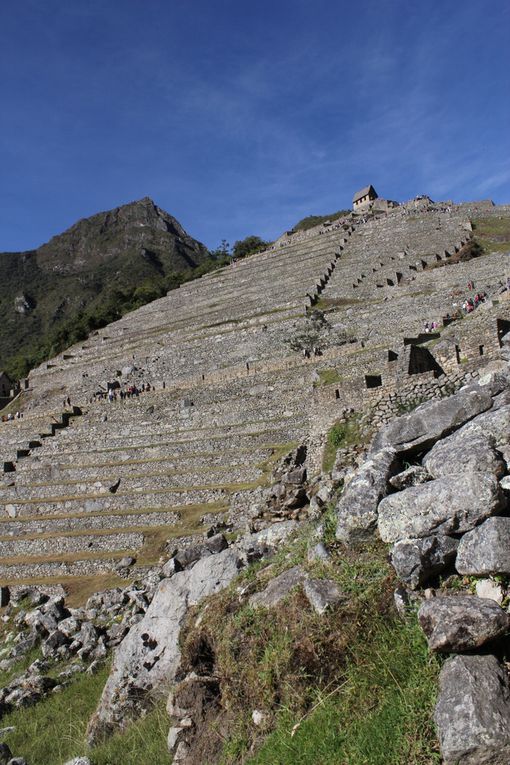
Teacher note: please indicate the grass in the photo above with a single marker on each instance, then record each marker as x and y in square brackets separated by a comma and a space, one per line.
[493, 234]
[325, 304]
[379, 712]
[328, 377]
[355, 686]
[342, 433]
[54, 730]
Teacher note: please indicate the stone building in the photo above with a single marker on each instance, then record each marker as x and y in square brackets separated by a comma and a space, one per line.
[362, 198]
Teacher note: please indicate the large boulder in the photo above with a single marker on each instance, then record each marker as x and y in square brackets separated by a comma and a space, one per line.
[416, 560]
[486, 549]
[449, 505]
[463, 452]
[494, 423]
[149, 655]
[422, 427]
[357, 508]
[473, 712]
[461, 622]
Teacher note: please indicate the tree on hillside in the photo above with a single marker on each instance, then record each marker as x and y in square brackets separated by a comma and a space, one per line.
[248, 246]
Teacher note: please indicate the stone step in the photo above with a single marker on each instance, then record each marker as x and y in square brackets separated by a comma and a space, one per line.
[21, 548]
[35, 569]
[29, 473]
[56, 525]
[149, 481]
[156, 498]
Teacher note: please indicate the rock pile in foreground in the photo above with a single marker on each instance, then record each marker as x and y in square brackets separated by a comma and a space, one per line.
[435, 486]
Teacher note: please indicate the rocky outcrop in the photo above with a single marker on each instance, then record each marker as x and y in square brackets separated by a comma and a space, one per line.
[452, 504]
[428, 423]
[149, 656]
[463, 452]
[486, 549]
[417, 560]
[357, 508]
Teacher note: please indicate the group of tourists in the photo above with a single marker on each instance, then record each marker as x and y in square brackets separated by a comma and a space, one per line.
[471, 303]
[10, 417]
[116, 393]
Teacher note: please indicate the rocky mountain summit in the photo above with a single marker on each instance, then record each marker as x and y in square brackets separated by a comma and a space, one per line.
[137, 246]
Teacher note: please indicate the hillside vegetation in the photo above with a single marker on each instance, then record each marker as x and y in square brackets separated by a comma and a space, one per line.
[314, 220]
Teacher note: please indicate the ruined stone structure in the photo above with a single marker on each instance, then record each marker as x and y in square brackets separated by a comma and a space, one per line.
[228, 394]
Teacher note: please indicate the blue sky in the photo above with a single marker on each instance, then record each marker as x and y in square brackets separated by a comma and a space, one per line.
[242, 117]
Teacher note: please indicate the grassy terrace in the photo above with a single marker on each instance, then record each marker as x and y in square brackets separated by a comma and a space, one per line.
[218, 435]
[166, 458]
[209, 507]
[493, 234]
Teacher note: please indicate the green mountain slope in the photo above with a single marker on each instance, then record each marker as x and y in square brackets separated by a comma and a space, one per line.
[91, 274]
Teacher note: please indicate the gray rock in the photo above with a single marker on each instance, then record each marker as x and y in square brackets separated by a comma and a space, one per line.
[472, 714]
[5, 754]
[486, 588]
[486, 549]
[78, 761]
[149, 655]
[357, 508]
[171, 567]
[52, 643]
[173, 737]
[126, 561]
[270, 537]
[17, 761]
[494, 423]
[69, 626]
[278, 588]
[216, 543]
[413, 476]
[322, 593]
[461, 622]
[88, 637]
[416, 560]
[318, 552]
[405, 600]
[191, 554]
[428, 423]
[462, 453]
[452, 504]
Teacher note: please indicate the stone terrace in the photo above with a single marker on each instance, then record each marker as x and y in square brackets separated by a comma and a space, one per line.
[230, 397]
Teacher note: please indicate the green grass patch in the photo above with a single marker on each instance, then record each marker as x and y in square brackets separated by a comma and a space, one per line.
[328, 377]
[342, 433]
[492, 234]
[380, 712]
[355, 686]
[53, 730]
[314, 220]
[144, 741]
